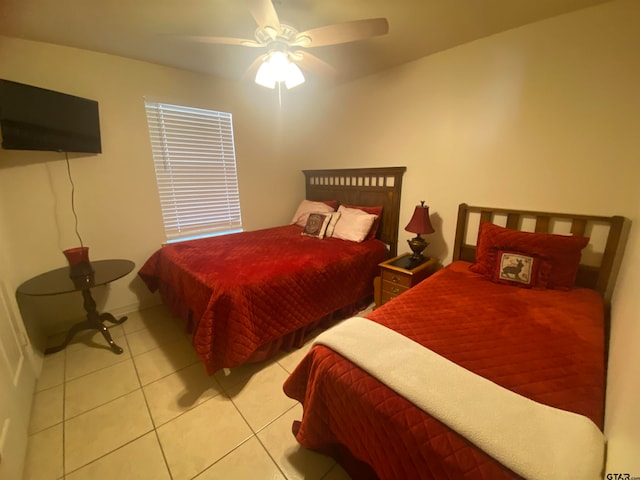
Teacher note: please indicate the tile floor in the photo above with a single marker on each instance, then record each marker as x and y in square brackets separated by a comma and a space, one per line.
[153, 413]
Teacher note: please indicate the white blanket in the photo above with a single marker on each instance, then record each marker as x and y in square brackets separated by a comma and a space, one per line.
[534, 440]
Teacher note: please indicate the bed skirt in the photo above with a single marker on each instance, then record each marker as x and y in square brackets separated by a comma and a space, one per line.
[291, 341]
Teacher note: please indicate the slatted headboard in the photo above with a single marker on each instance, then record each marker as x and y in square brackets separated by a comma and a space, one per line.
[362, 186]
[598, 258]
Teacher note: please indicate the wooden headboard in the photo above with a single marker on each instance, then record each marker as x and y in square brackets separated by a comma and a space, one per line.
[598, 258]
[362, 186]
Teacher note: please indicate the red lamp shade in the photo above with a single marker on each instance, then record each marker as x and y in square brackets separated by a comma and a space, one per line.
[420, 222]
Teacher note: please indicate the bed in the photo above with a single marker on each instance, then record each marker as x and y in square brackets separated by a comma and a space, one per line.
[471, 373]
[246, 296]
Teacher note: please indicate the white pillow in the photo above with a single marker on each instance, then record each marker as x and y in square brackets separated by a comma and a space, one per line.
[354, 224]
[305, 208]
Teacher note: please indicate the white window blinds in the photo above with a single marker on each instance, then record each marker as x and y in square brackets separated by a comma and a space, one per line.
[195, 165]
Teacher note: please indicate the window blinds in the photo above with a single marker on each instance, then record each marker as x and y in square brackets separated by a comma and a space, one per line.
[195, 164]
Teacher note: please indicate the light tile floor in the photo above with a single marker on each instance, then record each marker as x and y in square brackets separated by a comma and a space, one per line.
[153, 413]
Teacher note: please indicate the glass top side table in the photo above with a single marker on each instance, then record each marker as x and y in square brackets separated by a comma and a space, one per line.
[58, 282]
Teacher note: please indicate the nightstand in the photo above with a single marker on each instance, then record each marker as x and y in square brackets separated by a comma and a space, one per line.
[398, 275]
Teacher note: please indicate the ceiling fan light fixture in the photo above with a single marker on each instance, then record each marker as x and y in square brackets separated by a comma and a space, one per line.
[265, 76]
[276, 68]
[294, 76]
[279, 62]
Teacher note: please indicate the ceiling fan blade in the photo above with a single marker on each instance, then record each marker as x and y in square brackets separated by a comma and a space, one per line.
[312, 63]
[342, 33]
[223, 40]
[264, 14]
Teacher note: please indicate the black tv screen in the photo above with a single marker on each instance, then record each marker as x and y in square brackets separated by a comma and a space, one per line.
[33, 118]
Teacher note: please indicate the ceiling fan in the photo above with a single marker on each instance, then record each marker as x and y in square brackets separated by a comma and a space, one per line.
[286, 46]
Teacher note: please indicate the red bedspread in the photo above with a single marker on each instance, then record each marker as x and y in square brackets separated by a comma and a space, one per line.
[243, 291]
[544, 344]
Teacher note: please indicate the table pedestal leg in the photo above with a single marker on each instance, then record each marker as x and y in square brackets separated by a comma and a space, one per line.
[93, 322]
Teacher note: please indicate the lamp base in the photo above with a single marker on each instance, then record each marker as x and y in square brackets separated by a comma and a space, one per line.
[417, 244]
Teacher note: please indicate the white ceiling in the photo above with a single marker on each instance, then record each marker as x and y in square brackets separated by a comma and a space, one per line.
[150, 30]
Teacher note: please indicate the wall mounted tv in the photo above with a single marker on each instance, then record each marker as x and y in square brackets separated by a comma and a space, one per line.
[33, 118]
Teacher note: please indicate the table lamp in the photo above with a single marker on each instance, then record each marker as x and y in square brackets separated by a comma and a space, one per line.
[419, 224]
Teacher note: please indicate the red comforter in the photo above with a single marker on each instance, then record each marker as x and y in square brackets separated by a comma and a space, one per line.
[544, 344]
[242, 292]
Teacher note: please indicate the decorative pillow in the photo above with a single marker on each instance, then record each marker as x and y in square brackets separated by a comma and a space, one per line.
[376, 210]
[332, 203]
[335, 216]
[562, 252]
[316, 225]
[305, 208]
[353, 225]
[518, 269]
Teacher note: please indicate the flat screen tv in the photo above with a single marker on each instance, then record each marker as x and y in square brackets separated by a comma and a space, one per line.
[33, 118]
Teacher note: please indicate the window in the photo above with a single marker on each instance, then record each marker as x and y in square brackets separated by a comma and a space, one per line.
[195, 166]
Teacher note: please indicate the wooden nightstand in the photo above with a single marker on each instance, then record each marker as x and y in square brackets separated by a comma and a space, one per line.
[398, 275]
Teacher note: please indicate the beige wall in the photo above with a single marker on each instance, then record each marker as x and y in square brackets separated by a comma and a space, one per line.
[116, 197]
[544, 117]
